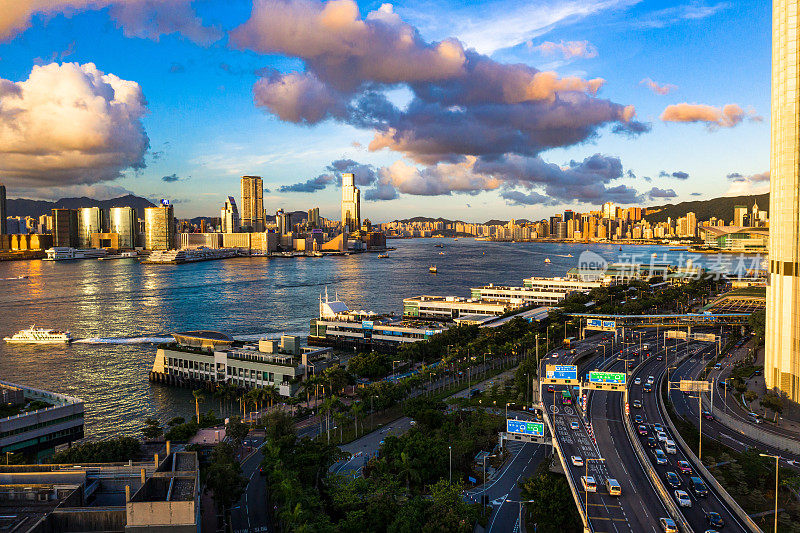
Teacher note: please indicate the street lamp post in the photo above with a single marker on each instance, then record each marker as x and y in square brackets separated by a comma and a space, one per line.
[394, 373]
[520, 502]
[483, 490]
[700, 424]
[8, 454]
[450, 449]
[777, 458]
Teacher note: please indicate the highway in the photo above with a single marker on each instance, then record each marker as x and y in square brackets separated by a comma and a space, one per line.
[250, 514]
[696, 515]
[714, 428]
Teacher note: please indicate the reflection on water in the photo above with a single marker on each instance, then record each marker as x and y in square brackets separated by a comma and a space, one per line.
[116, 307]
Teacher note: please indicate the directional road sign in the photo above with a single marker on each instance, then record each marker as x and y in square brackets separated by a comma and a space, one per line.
[525, 427]
[561, 371]
[616, 378]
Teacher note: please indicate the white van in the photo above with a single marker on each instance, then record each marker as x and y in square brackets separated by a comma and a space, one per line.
[669, 446]
[613, 488]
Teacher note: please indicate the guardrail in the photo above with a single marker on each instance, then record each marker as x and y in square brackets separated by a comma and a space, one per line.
[644, 461]
[587, 526]
[729, 501]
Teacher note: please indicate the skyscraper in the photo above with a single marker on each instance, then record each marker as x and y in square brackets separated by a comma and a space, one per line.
[3, 212]
[252, 215]
[782, 356]
[90, 220]
[65, 227]
[159, 227]
[230, 216]
[351, 203]
[313, 218]
[122, 221]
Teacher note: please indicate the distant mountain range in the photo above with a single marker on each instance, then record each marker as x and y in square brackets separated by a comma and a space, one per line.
[20, 207]
[705, 209]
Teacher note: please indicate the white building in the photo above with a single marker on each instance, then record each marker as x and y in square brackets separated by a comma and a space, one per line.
[229, 215]
[351, 203]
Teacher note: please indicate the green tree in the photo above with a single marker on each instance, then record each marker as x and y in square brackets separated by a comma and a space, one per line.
[236, 430]
[116, 450]
[198, 398]
[152, 429]
[553, 509]
[224, 478]
[372, 365]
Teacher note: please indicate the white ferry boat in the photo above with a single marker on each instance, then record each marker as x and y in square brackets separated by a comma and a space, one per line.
[40, 336]
[65, 253]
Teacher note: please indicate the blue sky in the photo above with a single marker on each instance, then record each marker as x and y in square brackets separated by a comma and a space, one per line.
[203, 128]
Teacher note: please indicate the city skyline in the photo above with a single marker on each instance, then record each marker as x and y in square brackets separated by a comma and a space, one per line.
[194, 155]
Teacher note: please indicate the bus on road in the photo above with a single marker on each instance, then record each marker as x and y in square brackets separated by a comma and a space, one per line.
[566, 397]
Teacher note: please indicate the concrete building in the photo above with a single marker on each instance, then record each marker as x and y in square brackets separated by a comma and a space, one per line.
[3, 210]
[446, 308]
[197, 357]
[38, 420]
[782, 358]
[90, 220]
[229, 215]
[313, 218]
[351, 203]
[159, 227]
[65, 228]
[122, 221]
[252, 215]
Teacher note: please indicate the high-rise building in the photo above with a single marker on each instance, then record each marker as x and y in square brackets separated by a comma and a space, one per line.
[284, 222]
[313, 218]
[122, 221]
[782, 356]
[3, 211]
[252, 215]
[691, 224]
[90, 220]
[609, 210]
[230, 216]
[351, 203]
[65, 227]
[159, 227]
[739, 214]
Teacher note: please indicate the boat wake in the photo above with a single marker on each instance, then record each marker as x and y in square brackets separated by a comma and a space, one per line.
[123, 340]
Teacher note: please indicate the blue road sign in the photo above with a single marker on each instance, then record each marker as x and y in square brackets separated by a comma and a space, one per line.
[561, 371]
[525, 427]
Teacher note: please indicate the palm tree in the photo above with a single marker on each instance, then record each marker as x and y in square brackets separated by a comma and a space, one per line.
[198, 397]
[407, 470]
[271, 392]
[357, 409]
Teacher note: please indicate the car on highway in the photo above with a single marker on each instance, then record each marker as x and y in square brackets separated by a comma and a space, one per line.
[637, 404]
[638, 419]
[707, 415]
[714, 519]
[661, 436]
[754, 417]
[551, 388]
[661, 457]
[685, 467]
[658, 428]
[577, 460]
[672, 479]
[642, 429]
[660, 358]
[717, 366]
[613, 487]
[637, 381]
[683, 498]
[648, 388]
[650, 380]
[698, 487]
[669, 447]
[652, 442]
[574, 425]
[668, 525]
[589, 484]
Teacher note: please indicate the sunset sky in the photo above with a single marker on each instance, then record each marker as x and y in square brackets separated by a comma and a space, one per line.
[477, 110]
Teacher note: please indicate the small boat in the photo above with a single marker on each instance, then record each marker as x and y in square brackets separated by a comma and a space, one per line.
[546, 259]
[439, 245]
[317, 254]
[455, 239]
[653, 254]
[568, 255]
[441, 253]
[381, 256]
[620, 248]
[433, 269]
[40, 336]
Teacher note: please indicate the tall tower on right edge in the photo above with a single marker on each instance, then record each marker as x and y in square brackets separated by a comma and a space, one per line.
[782, 358]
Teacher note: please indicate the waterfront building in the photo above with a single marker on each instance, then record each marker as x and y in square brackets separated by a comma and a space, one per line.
[159, 227]
[37, 421]
[340, 327]
[90, 220]
[782, 356]
[252, 215]
[351, 203]
[212, 357]
[536, 291]
[122, 221]
[446, 308]
[3, 210]
[229, 215]
[735, 238]
[65, 228]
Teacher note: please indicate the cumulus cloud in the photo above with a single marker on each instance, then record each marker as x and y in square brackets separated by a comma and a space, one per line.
[70, 124]
[696, 194]
[463, 103]
[365, 175]
[713, 117]
[311, 185]
[655, 192]
[748, 184]
[520, 180]
[568, 49]
[662, 90]
[678, 174]
[172, 178]
[98, 191]
[138, 18]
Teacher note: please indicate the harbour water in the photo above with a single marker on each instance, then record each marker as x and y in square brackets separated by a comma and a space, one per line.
[118, 310]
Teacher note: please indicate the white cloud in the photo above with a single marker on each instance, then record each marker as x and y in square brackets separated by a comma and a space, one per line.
[70, 124]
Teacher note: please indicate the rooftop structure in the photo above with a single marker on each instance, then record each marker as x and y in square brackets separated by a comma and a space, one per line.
[36, 421]
[447, 308]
